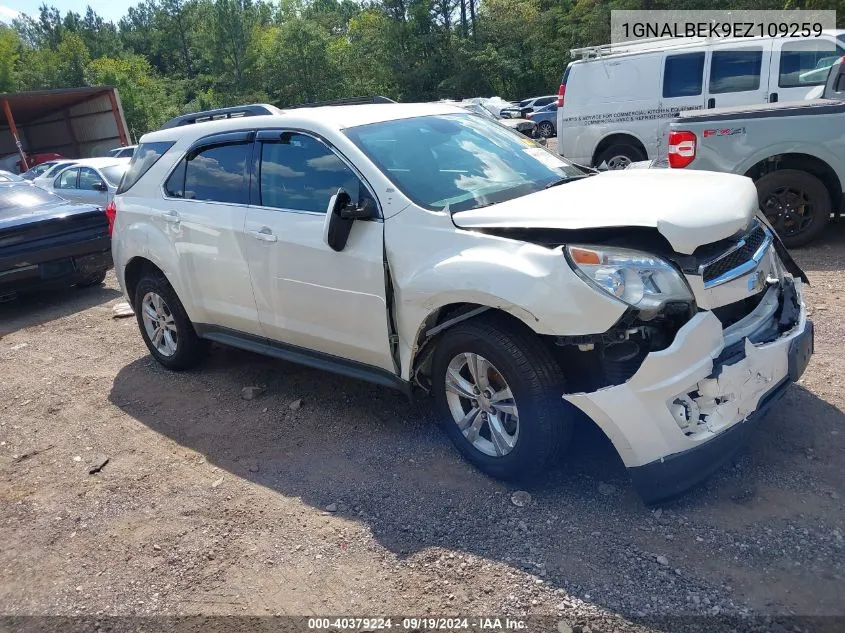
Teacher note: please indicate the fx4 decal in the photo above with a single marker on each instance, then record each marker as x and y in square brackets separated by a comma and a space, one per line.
[728, 131]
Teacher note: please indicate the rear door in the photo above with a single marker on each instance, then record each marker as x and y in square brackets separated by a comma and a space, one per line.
[203, 215]
[738, 75]
[682, 82]
[798, 66]
[65, 184]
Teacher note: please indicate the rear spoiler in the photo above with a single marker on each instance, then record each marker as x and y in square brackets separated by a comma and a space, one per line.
[262, 109]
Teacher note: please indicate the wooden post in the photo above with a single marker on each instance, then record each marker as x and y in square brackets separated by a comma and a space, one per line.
[124, 141]
[13, 128]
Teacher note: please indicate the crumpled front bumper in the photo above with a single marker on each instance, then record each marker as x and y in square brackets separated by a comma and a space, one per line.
[690, 406]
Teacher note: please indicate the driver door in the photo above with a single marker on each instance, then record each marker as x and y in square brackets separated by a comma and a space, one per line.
[307, 294]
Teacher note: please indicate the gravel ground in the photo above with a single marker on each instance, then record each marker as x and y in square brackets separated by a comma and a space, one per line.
[323, 495]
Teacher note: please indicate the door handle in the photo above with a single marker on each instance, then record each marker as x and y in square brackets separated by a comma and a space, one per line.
[711, 102]
[265, 234]
[170, 216]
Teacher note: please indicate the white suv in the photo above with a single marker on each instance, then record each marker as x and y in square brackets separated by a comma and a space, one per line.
[421, 246]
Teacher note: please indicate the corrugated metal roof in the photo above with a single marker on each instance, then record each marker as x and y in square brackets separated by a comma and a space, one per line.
[34, 105]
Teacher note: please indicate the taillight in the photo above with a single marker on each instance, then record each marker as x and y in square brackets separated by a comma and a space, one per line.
[111, 214]
[681, 148]
[561, 92]
[529, 115]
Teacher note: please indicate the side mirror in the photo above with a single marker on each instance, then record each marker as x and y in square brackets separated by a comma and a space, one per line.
[341, 215]
[366, 211]
[99, 186]
[542, 141]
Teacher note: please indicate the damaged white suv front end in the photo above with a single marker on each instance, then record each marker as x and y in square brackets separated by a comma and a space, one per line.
[713, 325]
[689, 406]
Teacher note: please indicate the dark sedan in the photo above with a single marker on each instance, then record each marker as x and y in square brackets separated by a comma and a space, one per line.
[46, 241]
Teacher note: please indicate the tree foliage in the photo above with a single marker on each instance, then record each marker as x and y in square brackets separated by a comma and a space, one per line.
[172, 56]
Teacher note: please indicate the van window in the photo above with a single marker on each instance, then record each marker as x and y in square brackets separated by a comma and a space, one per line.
[807, 62]
[735, 71]
[683, 75]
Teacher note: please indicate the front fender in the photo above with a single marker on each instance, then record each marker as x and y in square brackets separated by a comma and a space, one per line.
[531, 282]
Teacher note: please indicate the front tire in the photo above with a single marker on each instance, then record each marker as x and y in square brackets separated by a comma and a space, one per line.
[499, 397]
[796, 204]
[165, 326]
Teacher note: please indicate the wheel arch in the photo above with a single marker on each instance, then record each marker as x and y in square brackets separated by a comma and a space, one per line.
[814, 165]
[628, 138]
[449, 315]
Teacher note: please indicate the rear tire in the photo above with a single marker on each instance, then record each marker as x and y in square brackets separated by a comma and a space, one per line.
[95, 279]
[165, 326]
[619, 156]
[796, 204]
[546, 129]
[504, 445]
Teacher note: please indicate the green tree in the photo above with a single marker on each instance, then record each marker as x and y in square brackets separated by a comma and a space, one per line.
[10, 45]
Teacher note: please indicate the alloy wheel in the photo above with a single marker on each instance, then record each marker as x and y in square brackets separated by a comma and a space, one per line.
[789, 210]
[618, 162]
[159, 324]
[482, 404]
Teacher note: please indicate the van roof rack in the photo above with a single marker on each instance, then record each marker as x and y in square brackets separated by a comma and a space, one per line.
[343, 101]
[633, 46]
[254, 109]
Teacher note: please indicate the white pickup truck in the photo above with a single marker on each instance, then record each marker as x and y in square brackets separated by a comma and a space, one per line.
[429, 249]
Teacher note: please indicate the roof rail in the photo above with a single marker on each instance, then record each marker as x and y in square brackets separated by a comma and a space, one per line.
[631, 46]
[345, 101]
[255, 109]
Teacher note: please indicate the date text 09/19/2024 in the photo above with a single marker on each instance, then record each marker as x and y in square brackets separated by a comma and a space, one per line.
[416, 624]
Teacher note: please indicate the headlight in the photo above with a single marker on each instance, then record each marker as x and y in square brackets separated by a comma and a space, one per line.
[641, 280]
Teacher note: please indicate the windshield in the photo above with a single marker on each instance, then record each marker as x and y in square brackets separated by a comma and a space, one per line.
[114, 173]
[459, 160]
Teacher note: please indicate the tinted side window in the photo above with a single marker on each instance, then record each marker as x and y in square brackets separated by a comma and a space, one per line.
[145, 156]
[87, 178]
[683, 75]
[735, 71]
[175, 185]
[67, 179]
[216, 173]
[302, 173]
[806, 62]
[544, 101]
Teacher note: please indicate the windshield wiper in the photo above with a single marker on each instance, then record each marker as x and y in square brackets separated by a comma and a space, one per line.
[565, 180]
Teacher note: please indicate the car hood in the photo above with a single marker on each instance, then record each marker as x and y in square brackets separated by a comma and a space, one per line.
[689, 208]
[515, 122]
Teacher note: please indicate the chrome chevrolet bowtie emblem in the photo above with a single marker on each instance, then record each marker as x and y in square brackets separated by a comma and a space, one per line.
[756, 281]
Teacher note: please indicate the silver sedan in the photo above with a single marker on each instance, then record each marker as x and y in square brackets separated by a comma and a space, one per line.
[92, 180]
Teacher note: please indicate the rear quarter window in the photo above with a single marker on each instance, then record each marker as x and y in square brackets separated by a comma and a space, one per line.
[146, 155]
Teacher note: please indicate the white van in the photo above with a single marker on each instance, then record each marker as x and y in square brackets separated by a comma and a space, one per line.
[615, 103]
